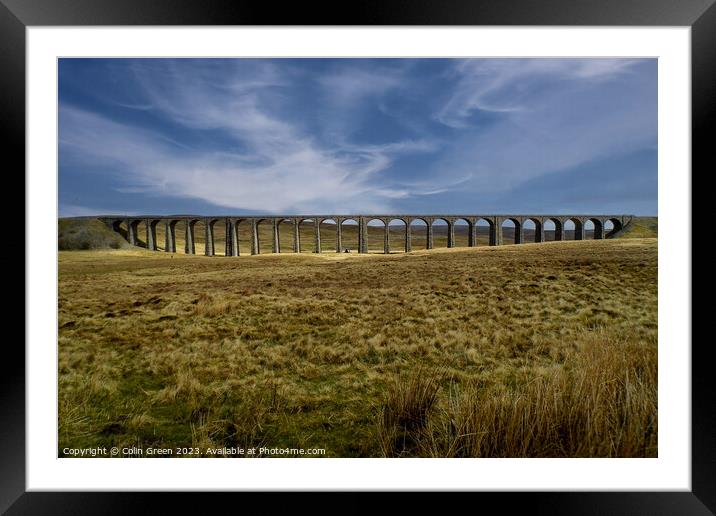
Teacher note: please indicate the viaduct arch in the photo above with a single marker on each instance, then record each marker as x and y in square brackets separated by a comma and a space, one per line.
[150, 224]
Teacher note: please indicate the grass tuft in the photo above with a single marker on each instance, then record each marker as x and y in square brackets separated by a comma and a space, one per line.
[406, 411]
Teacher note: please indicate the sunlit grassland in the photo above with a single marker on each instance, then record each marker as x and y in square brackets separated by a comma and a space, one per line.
[642, 227]
[532, 350]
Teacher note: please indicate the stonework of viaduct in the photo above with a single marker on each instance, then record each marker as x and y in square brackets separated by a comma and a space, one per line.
[251, 224]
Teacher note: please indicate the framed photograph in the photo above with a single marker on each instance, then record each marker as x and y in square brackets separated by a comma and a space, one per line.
[409, 250]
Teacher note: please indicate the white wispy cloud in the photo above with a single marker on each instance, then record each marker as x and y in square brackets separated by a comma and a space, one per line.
[199, 96]
[546, 118]
[282, 168]
[284, 171]
[557, 114]
[348, 91]
[350, 85]
[506, 85]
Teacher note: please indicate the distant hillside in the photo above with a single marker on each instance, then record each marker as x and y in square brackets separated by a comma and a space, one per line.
[641, 227]
[76, 234]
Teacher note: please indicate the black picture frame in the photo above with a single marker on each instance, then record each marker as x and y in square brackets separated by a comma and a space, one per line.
[700, 15]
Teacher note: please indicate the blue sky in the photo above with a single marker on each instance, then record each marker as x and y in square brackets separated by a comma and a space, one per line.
[220, 136]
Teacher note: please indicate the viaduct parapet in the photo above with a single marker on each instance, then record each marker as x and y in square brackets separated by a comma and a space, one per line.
[236, 225]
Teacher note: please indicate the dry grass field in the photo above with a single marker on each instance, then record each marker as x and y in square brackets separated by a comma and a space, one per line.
[539, 350]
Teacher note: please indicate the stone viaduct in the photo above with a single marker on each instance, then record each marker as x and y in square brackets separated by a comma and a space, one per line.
[233, 224]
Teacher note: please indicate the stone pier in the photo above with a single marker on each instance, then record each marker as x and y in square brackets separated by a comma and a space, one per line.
[500, 228]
